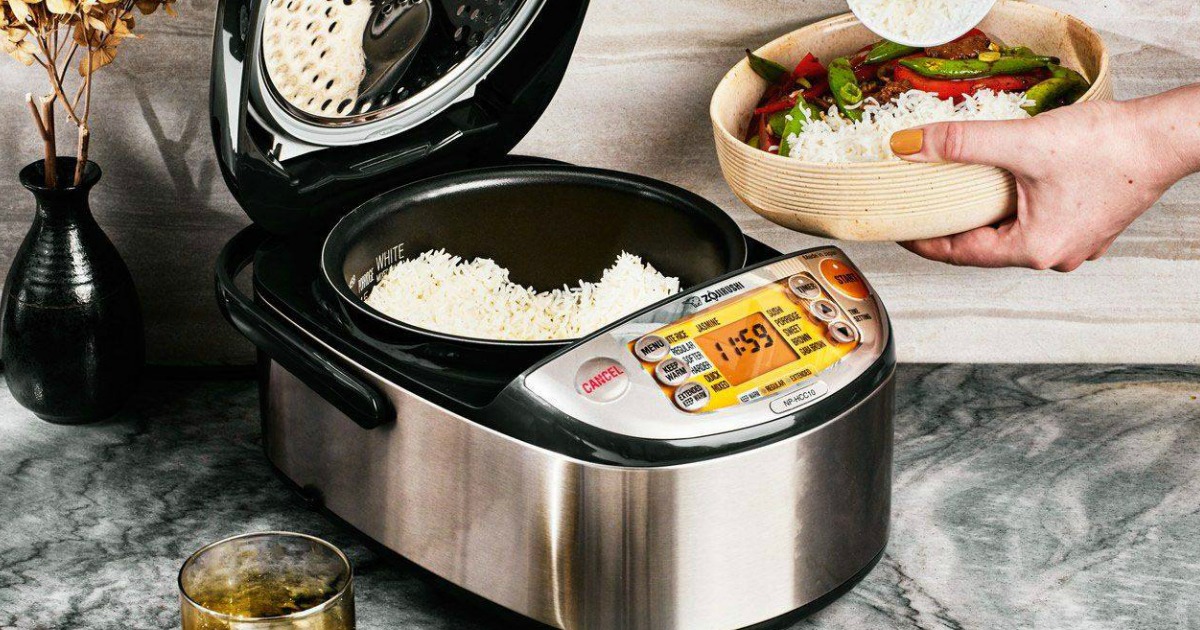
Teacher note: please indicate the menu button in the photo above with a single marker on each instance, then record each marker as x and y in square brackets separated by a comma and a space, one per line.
[652, 348]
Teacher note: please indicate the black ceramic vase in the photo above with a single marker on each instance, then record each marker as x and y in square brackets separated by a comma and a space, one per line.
[72, 343]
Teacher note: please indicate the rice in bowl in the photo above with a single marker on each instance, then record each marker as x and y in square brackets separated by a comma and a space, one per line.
[834, 139]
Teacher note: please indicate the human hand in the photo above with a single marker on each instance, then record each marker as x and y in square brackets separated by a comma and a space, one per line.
[1084, 173]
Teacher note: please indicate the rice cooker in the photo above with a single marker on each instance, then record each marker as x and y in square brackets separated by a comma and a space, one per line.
[719, 459]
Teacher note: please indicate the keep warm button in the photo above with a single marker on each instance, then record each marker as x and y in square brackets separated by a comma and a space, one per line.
[601, 380]
[800, 398]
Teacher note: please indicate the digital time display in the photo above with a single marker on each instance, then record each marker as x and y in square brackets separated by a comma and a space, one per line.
[746, 349]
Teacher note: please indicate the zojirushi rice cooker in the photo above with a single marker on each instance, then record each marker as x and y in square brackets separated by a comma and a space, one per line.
[720, 459]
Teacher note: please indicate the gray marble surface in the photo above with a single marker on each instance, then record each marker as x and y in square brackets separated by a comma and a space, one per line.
[1025, 497]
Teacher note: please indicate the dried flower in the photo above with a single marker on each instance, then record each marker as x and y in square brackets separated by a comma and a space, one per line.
[53, 34]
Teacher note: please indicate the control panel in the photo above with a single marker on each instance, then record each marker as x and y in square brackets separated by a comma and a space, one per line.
[743, 350]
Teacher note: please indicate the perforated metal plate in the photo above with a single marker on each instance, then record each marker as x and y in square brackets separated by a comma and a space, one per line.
[335, 64]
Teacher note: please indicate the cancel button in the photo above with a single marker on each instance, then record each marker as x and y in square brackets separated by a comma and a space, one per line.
[601, 380]
[800, 398]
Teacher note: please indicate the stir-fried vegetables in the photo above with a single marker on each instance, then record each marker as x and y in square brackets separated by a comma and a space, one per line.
[885, 70]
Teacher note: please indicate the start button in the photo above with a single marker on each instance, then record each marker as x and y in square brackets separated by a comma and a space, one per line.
[601, 380]
[844, 278]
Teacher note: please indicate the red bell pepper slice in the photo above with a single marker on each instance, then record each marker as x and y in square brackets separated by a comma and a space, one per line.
[810, 66]
[764, 134]
[820, 88]
[776, 106]
[957, 89]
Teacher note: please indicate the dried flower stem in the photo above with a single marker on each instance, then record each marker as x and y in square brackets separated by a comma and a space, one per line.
[81, 151]
[46, 131]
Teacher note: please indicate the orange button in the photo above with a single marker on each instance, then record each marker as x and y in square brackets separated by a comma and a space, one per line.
[845, 278]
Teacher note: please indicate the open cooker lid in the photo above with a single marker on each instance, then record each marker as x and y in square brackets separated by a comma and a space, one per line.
[318, 105]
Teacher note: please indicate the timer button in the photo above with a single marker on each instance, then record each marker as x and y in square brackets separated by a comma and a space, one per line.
[691, 396]
[842, 332]
[804, 287]
[823, 310]
[601, 380]
[652, 348]
[672, 372]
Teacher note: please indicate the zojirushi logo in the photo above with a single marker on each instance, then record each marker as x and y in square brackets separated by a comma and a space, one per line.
[709, 297]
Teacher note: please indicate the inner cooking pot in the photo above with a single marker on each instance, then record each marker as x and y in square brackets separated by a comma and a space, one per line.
[548, 225]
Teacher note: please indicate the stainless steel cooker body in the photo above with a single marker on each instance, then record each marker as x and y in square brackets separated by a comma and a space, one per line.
[724, 541]
[722, 544]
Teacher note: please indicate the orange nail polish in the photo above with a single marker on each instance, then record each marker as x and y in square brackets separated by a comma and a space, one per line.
[908, 141]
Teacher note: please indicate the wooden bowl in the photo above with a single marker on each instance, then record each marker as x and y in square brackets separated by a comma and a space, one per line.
[892, 200]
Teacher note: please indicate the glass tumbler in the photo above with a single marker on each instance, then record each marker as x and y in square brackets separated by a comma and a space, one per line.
[267, 581]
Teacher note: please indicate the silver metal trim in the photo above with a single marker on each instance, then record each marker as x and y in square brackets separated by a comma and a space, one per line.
[399, 117]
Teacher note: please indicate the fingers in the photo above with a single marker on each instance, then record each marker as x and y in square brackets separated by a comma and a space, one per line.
[1001, 143]
[1002, 246]
[982, 247]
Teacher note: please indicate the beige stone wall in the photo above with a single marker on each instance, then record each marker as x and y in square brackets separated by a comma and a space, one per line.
[636, 99]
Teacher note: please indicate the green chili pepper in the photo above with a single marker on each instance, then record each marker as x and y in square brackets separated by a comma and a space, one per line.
[947, 68]
[1064, 87]
[1018, 51]
[844, 87]
[753, 142]
[803, 113]
[1027, 53]
[1060, 72]
[973, 68]
[777, 122]
[1021, 65]
[1047, 95]
[765, 68]
[887, 51]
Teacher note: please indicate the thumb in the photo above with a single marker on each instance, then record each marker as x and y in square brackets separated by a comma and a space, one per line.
[994, 143]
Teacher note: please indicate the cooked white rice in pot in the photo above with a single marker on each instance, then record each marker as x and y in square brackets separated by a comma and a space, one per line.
[442, 292]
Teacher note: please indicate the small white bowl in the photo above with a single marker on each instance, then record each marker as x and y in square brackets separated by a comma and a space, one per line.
[978, 11]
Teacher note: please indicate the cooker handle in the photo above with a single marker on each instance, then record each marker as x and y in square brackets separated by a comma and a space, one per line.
[318, 369]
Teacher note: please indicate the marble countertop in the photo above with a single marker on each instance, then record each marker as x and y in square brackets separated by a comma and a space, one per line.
[1025, 497]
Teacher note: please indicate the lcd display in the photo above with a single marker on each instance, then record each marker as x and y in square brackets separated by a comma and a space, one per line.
[746, 349]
